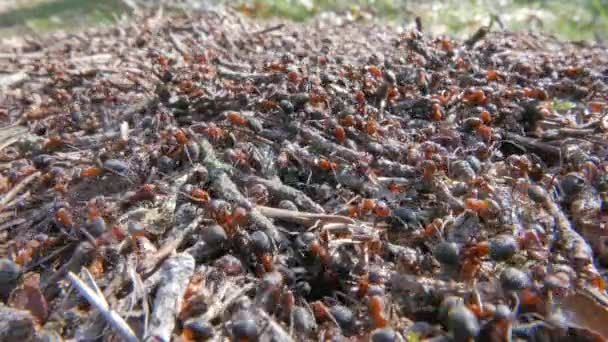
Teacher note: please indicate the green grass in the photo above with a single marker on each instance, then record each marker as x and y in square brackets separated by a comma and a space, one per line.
[569, 19]
[59, 14]
[573, 19]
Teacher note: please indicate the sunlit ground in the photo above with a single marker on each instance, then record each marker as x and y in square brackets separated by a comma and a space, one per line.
[574, 19]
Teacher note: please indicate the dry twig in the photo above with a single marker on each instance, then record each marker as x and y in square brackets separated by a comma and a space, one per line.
[95, 297]
[175, 275]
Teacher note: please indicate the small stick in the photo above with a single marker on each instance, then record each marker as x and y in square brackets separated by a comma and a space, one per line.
[419, 24]
[175, 275]
[549, 152]
[230, 65]
[223, 184]
[138, 286]
[477, 36]
[99, 58]
[218, 306]
[444, 193]
[179, 46]
[21, 56]
[17, 188]
[48, 257]
[395, 180]
[95, 298]
[11, 223]
[8, 142]
[562, 133]
[281, 334]
[302, 217]
[318, 141]
[17, 199]
[13, 79]
[232, 75]
[168, 247]
[79, 258]
[578, 249]
[269, 29]
[282, 191]
[88, 236]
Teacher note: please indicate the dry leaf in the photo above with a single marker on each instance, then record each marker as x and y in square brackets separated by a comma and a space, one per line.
[29, 297]
[585, 312]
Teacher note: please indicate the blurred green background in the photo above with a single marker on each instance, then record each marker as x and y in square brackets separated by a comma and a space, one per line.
[568, 19]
